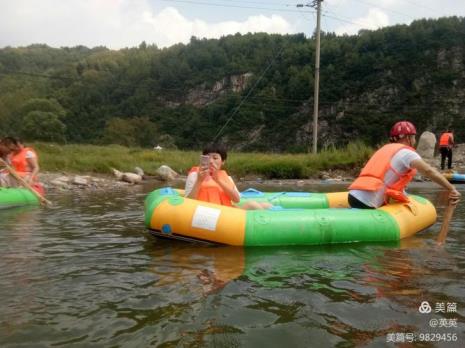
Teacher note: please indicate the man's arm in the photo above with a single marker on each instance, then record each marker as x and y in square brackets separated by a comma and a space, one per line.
[428, 171]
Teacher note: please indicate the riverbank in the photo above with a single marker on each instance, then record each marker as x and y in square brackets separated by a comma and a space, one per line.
[62, 182]
[101, 159]
[89, 167]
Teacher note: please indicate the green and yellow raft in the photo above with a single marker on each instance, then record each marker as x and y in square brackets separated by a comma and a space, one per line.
[298, 218]
[16, 197]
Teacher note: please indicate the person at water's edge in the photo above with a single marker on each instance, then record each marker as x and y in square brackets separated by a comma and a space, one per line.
[446, 143]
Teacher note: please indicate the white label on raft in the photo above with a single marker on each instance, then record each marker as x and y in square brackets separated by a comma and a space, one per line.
[206, 218]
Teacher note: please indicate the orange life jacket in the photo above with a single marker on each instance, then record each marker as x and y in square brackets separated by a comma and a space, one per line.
[19, 161]
[21, 166]
[372, 176]
[210, 191]
[446, 140]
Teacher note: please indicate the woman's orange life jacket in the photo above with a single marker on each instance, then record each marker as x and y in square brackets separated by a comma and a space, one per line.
[21, 166]
[446, 140]
[211, 191]
[372, 176]
[19, 161]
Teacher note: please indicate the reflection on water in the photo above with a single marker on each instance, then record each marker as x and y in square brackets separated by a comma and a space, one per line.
[86, 272]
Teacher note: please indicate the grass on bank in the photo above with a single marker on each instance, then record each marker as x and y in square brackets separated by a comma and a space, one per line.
[99, 159]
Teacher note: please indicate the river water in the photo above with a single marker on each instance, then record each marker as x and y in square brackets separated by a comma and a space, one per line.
[86, 273]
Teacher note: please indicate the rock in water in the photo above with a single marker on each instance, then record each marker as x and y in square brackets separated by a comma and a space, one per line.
[117, 173]
[166, 173]
[139, 171]
[132, 178]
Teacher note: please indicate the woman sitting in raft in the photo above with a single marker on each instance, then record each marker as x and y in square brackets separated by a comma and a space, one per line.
[391, 168]
[24, 161]
[209, 183]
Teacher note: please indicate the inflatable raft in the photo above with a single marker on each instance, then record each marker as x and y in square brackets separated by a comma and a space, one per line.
[16, 197]
[298, 218]
[455, 178]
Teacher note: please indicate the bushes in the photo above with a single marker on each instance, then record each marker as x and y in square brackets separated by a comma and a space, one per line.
[99, 159]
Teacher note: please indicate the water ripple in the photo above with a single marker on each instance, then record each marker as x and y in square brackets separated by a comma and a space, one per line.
[86, 273]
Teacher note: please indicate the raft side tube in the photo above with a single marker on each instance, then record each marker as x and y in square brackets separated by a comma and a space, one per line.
[199, 220]
[319, 226]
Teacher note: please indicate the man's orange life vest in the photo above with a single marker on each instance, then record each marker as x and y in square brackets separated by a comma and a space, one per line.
[19, 161]
[210, 191]
[446, 140]
[372, 176]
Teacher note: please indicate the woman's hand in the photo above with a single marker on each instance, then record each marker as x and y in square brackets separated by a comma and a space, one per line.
[204, 172]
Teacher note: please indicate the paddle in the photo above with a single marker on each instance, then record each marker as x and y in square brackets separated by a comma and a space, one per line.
[23, 182]
[445, 224]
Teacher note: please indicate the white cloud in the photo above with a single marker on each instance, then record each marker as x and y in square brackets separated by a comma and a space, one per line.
[373, 20]
[115, 24]
[179, 29]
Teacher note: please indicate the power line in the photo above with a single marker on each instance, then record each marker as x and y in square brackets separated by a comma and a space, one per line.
[342, 19]
[38, 75]
[421, 5]
[384, 8]
[210, 93]
[248, 94]
[254, 2]
[235, 6]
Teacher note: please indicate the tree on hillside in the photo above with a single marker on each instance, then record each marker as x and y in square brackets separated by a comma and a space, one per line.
[138, 131]
[119, 131]
[41, 119]
[44, 126]
[367, 81]
[44, 105]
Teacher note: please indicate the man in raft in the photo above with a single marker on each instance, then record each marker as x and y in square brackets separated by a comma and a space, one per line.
[391, 169]
[210, 183]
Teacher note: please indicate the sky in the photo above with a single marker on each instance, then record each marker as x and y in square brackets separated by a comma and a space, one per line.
[126, 23]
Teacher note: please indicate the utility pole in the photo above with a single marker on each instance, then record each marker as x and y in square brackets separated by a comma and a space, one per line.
[317, 4]
[317, 77]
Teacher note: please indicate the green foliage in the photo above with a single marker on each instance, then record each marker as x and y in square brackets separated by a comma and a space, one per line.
[99, 159]
[44, 105]
[182, 96]
[138, 131]
[119, 131]
[44, 126]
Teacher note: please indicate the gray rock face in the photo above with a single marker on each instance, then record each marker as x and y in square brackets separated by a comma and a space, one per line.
[426, 145]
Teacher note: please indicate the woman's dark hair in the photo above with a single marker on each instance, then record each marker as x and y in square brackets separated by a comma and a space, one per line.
[10, 141]
[216, 148]
[4, 150]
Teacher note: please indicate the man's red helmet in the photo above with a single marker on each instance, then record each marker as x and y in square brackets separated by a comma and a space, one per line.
[401, 129]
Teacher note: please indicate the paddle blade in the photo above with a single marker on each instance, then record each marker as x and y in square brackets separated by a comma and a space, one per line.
[445, 224]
